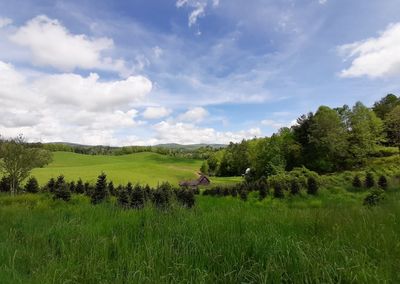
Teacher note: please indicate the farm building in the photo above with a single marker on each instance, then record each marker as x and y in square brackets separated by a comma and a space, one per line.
[202, 180]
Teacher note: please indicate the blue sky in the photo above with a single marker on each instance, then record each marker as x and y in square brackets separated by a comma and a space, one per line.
[184, 71]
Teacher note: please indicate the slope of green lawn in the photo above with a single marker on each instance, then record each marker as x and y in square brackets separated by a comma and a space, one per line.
[143, 168]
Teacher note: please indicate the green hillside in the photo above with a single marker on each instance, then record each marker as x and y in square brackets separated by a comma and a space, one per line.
[148, 168]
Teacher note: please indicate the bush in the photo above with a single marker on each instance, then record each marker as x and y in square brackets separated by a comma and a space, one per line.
[357, 182]
[374, 198]
[278, 191]
[137, 197]
[186, 197]
[79, 188]
[72, 187]
[32, 186]
[61, 189]
[123, 197]
[312, 186]
[111, 188]
[369, 180]
[100, 190]
[51, 185]
[294, 187]
[382, 182]
[5, 184]
[243, 194]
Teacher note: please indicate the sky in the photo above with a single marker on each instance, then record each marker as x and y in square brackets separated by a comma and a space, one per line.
[146, 72]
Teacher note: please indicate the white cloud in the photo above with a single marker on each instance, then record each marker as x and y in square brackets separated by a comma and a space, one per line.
[156, 112]
[322, 2]
[277, 124]
[196, 114]
[157, 52]
[186, 133]
[198, 6]
[196, 13]
[69, 107]
[5, 22]
[51, 44]
[374, 57]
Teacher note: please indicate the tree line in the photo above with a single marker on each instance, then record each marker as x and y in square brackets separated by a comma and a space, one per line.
[329, 140]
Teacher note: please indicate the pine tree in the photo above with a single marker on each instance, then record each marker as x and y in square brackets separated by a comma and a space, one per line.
[382, 182]
[32, 186]
[100, 190]
[312, 186]
[129, 188]
[278, 191]
[262, 187]
[79, 188]
[51, 185]
[123, 197]
[111, 188]
[369, 180]
[294, 187]
[243, 194]
[357, 182]
[72, 187]
[137, 197]
[61, 190]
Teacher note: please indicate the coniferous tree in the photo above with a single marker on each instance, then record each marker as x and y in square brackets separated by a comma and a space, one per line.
[51, 185]
[382, 182]
[243, 194]
[123, 197]
[32, 185]
[357, 182]
[312, 186]
[137, 197]
[111, 188]
[61, 190]
[278, 191]
[129, 188]
[72, 187]
[294, 187]
[79, 188]
[262, 188]
[100, 190]
[369, 180]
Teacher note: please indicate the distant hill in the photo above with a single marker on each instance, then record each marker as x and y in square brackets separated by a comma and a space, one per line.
[189, 146]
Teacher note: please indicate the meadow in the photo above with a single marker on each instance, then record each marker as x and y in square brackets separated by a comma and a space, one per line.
[143, 168]
[330, 238]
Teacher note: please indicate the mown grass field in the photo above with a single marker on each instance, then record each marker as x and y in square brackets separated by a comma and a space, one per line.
[143, 168]
[330, 238]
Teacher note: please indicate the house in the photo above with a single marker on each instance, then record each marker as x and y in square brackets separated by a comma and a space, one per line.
[202, 180]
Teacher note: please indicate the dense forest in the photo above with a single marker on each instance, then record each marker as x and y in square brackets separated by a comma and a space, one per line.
[325, 141]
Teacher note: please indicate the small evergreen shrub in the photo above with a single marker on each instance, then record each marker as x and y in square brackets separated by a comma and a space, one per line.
[123, 197]
[382, 182]
[374, 198]
[137, 197]
[243, 194]
[357, 182]
[369, 180]
[186, 197]
[312, 186]
[278, 191]
[32, 185]
[111, 188]
[61, 190]
[51, 185]
[294, 187]
[72, 187]
[100, 190]
[79, 188]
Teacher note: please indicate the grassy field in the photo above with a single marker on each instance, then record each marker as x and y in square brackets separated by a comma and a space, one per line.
[326, 239]
[144, 168]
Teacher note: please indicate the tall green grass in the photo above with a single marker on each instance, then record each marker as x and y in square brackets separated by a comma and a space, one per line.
[222, 240]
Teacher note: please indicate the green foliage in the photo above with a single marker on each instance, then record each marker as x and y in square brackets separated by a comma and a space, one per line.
[32, 185]
[17, 160]
[383, 107]
[186, 197]
[137, 197]
[72, 187]
[294, 187]
[312, 186]
[111, 189]
[357, 183]
[100, 192]
[204, 168]
[61, 190]
[123, 197]
[5, 184]
[278, 190]
[243, 194]
[392, 126]
[382, 182]
[369, 180]
[79, 188]
[374, 198]
[51, 185]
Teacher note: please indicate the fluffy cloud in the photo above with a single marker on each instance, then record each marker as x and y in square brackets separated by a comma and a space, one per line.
[156, 112]
[196, 114]
[187, 133]
[374, 57]
[68, 107]
[51, 44]
[5, 22]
